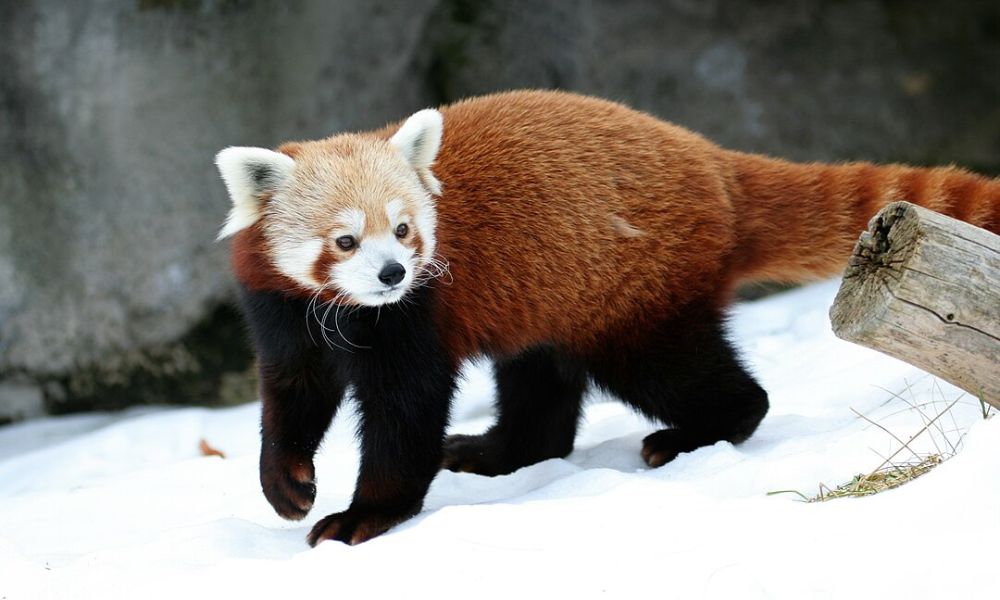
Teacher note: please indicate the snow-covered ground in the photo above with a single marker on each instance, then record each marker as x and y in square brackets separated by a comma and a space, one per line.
[124, 506]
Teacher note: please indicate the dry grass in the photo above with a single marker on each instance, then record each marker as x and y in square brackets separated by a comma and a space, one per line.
[888, 477]
[905, 463]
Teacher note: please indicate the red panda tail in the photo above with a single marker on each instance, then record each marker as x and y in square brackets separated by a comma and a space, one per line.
[799, 222]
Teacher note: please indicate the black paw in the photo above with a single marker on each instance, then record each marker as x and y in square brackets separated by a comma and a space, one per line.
[474, 454]
[663, 446]
[354, 526]
[288, 483]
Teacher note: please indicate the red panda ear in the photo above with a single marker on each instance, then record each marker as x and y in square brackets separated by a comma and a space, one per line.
[251, 175]
[419, 140]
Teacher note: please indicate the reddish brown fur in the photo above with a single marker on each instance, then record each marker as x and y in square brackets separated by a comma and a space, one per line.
[572, 219]
[800, 221]
[326, 260]
[253, 267]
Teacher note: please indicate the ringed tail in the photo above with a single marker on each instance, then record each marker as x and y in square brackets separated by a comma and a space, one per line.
[799, 222]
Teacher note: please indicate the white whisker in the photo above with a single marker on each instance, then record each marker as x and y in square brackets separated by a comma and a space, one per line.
[336, 322]
[435, 268]
[324, 329]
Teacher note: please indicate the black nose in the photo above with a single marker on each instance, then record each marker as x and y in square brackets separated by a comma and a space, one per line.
[392, 273]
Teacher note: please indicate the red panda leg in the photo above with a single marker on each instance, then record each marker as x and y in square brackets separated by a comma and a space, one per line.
[403, 421]
[687, 375]
[297, 409]
[538, 406]
[403, 383]
[300, 392]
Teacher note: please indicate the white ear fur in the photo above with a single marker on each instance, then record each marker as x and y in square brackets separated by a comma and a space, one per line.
[419, 140]
[250, 173]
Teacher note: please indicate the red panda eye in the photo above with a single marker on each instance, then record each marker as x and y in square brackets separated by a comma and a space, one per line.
[346, 242]
[402, 230]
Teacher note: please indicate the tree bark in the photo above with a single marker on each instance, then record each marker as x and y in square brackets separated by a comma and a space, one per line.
[925, 288]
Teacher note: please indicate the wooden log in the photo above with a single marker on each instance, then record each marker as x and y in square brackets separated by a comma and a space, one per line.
[925, 288]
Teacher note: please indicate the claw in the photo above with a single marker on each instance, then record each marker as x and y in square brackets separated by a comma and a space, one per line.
[288, 485]
[353, 526]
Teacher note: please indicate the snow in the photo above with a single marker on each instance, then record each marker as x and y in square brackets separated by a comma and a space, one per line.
[124, 506]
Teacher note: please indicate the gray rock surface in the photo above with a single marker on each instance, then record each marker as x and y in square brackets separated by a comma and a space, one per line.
[803, 79]
[111, 111]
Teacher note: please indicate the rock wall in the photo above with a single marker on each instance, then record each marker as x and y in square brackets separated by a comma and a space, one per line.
[112, 290]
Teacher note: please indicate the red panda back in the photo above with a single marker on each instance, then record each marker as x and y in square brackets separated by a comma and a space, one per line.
[570, 219]
[576, 221]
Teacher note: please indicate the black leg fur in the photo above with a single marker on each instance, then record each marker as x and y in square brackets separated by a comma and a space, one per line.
[538, 405]
[403, 383]
[300, 390]
[684, 374]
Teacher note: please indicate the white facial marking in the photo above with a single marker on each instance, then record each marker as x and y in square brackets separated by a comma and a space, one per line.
[426, 222]
[296, 260]
[358, 275]
[394, 209]
[249, 174]
[353, 220]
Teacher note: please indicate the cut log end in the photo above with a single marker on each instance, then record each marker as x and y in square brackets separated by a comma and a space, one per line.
[878, 247]
[873, 271]
[925, 288]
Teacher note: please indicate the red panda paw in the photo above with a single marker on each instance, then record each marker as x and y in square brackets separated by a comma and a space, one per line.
[477, 454]
[663, 446]
[288, 483]
[354, 525]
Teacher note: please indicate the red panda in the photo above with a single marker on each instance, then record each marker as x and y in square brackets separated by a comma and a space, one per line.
[570, 239]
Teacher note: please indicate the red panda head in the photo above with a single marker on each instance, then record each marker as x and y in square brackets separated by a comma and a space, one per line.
[352, 215]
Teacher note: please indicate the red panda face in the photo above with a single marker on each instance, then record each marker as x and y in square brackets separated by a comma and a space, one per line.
[351, 217]
[369, 255]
